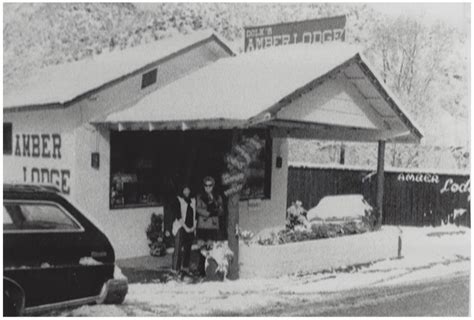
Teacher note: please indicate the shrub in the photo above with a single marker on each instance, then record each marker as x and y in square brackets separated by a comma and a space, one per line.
[154, 233]
[314, 232]
[270, 240]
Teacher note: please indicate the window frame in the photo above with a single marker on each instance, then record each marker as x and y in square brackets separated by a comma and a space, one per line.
[45, 202]
[8, 152]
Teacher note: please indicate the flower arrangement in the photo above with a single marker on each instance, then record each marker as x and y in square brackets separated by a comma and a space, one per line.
[246, 236]
[296, 214]
[220, 252]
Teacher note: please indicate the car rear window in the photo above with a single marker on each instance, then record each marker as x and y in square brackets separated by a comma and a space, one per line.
[37, 216]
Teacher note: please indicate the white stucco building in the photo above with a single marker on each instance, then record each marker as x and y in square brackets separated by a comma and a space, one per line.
[112, 131]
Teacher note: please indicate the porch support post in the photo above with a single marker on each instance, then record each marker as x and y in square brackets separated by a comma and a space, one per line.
[380, 181]
[232, 225]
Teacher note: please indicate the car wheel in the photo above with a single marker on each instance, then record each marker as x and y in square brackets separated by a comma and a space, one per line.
[113, 292]
[13, 299]
[8, 306]
[115, 298]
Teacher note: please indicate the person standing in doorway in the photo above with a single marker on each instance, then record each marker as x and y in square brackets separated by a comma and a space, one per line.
[209, 208]
[184, 228]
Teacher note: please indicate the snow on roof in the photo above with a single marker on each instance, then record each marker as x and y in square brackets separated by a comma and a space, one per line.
[63, 83]
[249, 85]
[238, 88]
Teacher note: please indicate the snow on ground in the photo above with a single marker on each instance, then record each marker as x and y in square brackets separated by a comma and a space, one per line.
[427, 252]
[104, 310]
[318, 255]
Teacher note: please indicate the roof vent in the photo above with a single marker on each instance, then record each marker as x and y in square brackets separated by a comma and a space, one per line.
[149, 78]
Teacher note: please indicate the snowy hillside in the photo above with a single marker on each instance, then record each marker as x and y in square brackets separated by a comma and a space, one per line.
[38, 34]
[426, 65]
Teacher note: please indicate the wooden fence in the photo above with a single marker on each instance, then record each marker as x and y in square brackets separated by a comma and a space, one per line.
[410, 198]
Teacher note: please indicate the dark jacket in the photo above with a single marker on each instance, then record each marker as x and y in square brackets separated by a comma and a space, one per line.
[207, 207]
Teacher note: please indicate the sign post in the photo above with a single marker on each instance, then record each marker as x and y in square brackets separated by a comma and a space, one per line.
[380, 181]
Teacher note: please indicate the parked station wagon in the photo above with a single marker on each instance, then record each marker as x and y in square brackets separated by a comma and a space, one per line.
[53, 255]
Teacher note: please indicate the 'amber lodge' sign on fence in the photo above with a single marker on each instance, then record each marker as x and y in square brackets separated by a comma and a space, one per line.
[313, 31]
[411, 198]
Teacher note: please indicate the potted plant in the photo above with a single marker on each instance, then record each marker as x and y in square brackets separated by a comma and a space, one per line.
[154, 233]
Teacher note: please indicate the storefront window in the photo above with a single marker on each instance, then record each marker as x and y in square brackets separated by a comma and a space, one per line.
[147, 167]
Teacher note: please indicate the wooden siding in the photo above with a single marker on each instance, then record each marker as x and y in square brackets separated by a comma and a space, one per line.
[413, 199]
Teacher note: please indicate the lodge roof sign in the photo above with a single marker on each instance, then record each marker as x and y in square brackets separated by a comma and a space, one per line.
[313, 31]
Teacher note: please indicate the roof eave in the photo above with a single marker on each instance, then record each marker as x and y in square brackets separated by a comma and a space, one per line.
[33, 107]
[224, 45]
[180, 125]
[389, 97]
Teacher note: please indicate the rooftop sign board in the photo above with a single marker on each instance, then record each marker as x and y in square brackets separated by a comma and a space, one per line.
[308, 31]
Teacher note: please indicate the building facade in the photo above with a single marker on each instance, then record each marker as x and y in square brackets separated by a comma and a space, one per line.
[56, 143]
[114, 133]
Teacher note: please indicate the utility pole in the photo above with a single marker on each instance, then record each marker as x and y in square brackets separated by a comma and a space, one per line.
[380, 181]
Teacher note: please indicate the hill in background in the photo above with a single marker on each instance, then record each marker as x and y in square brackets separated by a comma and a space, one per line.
[426, 65]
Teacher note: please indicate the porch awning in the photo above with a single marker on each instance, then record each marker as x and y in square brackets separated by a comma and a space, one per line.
[302, 91]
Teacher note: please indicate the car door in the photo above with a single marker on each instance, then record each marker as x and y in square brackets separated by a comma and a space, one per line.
[45, 252]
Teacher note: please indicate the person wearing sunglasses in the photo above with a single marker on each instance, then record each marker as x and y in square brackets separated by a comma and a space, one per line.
[210, 208]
